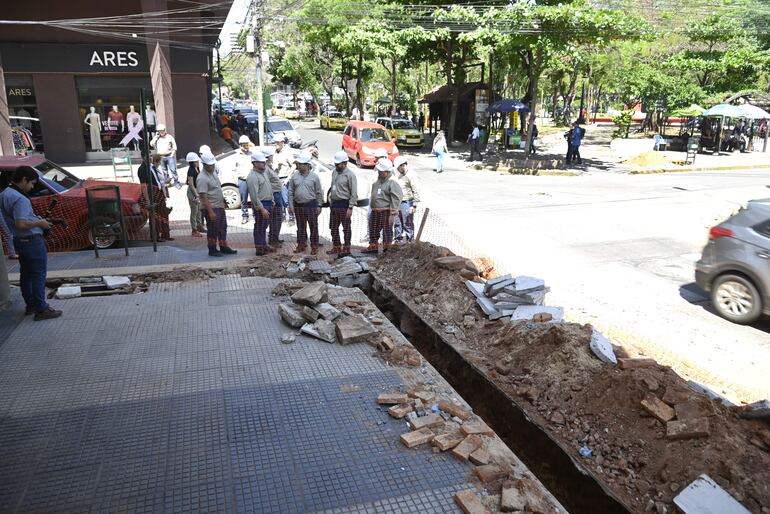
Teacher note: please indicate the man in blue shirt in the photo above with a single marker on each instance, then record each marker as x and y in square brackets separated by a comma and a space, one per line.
[27, 229]
[574, 139]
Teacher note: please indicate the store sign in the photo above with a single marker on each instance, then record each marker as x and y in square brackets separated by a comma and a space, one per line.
[76, 58]
[482, 102]
[17, 92]
[118, 59]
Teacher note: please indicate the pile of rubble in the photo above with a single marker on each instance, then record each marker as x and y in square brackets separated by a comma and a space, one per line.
[348, 271]
[521, 298]
[95, 286]
[448, 426]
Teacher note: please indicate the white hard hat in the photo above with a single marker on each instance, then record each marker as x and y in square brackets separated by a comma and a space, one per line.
[384, 164]
[267, 150]
[258, 156]
[380, 153]
[192, 157]
[204, 149]
[398, 161]
[303, 158]
[208, 158]
[244, 140]
[160, 127]
[340, 157]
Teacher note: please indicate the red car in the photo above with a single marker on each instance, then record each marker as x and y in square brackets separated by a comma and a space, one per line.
[57, 185]
[361, 138]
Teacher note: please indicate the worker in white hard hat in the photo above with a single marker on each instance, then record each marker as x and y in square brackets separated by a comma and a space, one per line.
[385, 201]
[213, 205]
[165, 144]
[242, 169]
[276, 184]
[193, 170]
[262, 200]
[343, 197]
[403, 230]
[380, 153]
[305, 200]
[207, 149]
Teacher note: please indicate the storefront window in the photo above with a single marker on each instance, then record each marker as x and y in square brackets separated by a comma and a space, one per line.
[22, 108]
[111, 114]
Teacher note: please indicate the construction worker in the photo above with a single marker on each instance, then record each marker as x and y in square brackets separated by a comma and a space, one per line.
[283, 161]
[385, 201]
[305, 201]
[343, 197]
[213, 206]
[276, 184]
[410, 185]
[193, 170]
[262, 199]
[380, 153]
[242, 170]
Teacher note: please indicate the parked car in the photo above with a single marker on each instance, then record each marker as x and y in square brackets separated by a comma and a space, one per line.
[365, 179]
[735, 265]
[333, 120]
[291, 112]
[404, 131]
[360, 139]
[280, 128]
[69, 193]
[279, 110]
[250, 114]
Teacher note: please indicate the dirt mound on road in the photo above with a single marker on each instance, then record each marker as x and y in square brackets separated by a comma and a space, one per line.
[647, 160]
[549, 370]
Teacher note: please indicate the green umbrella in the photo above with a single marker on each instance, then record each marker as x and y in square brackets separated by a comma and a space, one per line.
[688, 112]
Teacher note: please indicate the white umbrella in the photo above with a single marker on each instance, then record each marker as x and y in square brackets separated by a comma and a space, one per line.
[753, 112]
[726, 110]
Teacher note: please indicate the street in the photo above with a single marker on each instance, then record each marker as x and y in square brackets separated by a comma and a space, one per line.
[617, 251]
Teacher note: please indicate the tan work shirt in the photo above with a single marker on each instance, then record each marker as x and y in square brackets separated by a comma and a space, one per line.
[305, 189]
[410, 185]
[259, 188]
[386, 194]
[344, 187]
[275, 181]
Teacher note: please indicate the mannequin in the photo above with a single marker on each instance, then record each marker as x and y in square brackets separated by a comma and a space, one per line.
[133, 119]
[93, 120]
[116, 118]
[152, 119]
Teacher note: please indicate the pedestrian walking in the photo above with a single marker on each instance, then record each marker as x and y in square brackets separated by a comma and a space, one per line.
[385, 200]
[243, 167]
[165, 144]
[151, 180]
[421, 122]
[475, 139]
[213, 205]
[439, 149]
[193, 170]
[305, 201]
[574, 138]
[342, 198]
[262, 201]
[27, 229]
[535, 133]
[276, 185]
[403, 230]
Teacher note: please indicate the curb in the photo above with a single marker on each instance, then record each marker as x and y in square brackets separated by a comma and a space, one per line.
[704, 168]
[528, 171]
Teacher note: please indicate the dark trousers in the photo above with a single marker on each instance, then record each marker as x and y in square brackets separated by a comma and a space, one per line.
[261, 224]
[339, 210]
[33, 266]
[217, 229]
[379, 221]
[276, 218]
[306, 215]
[573, 154]
[243, 189]
[475, 149]
[404, 226]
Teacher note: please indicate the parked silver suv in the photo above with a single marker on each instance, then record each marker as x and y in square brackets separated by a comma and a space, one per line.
[735, 265]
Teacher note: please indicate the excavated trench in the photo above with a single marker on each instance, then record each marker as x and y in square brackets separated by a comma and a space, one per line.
[576, 489]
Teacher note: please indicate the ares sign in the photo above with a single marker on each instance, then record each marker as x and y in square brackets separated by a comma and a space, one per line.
[117, 59]
[74, 58]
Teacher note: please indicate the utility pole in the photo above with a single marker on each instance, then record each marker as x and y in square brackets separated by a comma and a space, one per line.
[258, 6]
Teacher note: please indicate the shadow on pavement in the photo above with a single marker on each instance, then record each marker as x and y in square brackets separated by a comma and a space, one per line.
[694, 295]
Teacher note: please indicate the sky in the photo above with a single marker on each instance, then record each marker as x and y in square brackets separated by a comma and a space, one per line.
[234, 19]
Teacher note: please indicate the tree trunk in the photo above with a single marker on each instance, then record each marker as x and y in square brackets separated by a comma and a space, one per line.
[571, 91]
[453, 112]
[345, 88]
[359, 86]
[535, 69]
[393, 83]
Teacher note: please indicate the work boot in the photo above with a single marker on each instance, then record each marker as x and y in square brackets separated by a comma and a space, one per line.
[334, 250]
[372, 248]
[300, 249]
[215, 253]
[48, 313]
[270, 249]
[314, 250]
[202, 230]
[29, 310]
[276, 244]
[227, 250]
[345, 251]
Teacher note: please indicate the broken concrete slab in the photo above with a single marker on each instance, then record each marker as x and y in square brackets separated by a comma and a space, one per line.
[687, 429]
[288, 338]
[454, 409]
[327, 311]
[448, 441]
[479, 457]
[312, 330]
[399, 411]
[757, 410]
[524, 495]
[693, 409]
[68, 291]
[114, 282]
[392, 398]
[416, 438]
[430, 421]
[354, 329]
[470, 503]
[508, 306]
[348, 259]
[476, 426]
[487, 306]
[636, 363]
[347, 281]
[489, 472]
[704, 496]
[476, 288]
[310, 314]
[525, 284]
[292, 268]
[501, 314]
[326, 330]
[319, 267]
[342, 270]
[291, 314]
[452, 262]
[602, 348]
[469, 445]
[499, 287]
[311, 294]
[702, 389]
[658, 409]
[527, 312]
[494, 281]
[363, 281]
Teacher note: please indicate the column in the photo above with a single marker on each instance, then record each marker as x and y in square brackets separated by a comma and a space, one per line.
[6, 139]
[191, 109]
[57, 106]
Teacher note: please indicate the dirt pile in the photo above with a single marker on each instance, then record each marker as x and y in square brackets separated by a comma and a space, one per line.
[594, 410]
[647, 160]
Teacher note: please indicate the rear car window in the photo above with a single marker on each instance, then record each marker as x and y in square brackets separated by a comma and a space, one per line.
[763, 228]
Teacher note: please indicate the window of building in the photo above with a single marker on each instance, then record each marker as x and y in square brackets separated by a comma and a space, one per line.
[111, 113]
[22, 108]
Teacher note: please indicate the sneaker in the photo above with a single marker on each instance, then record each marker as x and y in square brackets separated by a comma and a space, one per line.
[244, 220]
[48, 313]
[215, 253]
[196, 234]
[227, 250]
[178, 185]
[29, 310]
[201, 230]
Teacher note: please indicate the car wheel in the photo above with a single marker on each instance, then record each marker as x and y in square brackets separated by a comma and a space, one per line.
[736, 299]
[232, 197]
[104, 234]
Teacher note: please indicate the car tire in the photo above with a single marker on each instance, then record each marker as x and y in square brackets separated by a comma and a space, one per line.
[105, 229]
[232, 197]
[736, 299]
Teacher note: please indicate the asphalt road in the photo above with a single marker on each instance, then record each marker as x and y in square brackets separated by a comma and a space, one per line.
[617, 251]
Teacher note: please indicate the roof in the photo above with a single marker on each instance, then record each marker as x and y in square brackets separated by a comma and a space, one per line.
[13, 162]
[364, 124]
[444, 93]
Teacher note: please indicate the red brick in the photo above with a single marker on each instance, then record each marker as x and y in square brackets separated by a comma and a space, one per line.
[470, 503]
[399, 411]
[674, 395]
[693, 409]
[642, 362]
[446, 442]
[429, 421]
[489, 472]
[479, 457]
[658, 409]
[476, 427]
[469, 445]
[454, 410]
[687, 429]
[416, 438]
[392, 398]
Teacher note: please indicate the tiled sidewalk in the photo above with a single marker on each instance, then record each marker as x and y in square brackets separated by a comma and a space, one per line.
[173, 401]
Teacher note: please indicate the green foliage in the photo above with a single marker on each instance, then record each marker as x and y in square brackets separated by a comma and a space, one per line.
[623, 123]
